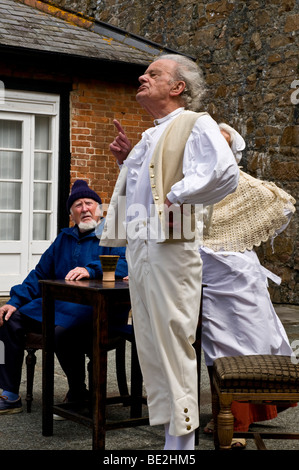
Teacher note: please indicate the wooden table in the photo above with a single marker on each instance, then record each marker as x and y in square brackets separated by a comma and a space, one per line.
[98, 294]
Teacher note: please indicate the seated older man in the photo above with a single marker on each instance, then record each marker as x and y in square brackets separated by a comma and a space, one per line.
[73, 255]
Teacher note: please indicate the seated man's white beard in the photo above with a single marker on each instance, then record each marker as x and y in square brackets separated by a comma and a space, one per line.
[85, 226]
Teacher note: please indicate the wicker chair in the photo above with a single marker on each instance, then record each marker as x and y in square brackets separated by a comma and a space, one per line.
[254, 379]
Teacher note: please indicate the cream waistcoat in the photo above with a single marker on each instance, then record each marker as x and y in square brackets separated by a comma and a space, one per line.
[165, 169]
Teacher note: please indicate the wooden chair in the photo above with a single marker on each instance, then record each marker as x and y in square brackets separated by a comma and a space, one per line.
[252, 379]
[33, 343]
[198, 347]
[135, 398]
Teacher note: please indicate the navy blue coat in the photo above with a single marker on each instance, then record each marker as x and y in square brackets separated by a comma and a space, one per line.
[67, 252]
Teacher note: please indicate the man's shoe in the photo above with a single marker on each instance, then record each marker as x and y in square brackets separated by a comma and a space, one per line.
[10, 407]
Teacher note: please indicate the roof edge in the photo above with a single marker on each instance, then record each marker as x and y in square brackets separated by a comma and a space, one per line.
[27, 51]
[51, 9]
[99, 27]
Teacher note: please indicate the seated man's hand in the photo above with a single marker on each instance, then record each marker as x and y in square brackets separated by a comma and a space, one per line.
[6, 312]
[77, 274]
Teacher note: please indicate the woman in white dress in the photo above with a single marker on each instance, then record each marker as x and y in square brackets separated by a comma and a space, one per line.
[238, 315]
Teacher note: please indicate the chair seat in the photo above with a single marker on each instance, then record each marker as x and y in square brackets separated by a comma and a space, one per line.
[34, 341]
[251, 379]
[262, 373]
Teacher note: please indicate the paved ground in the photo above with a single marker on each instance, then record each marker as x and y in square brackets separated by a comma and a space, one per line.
[23, 431]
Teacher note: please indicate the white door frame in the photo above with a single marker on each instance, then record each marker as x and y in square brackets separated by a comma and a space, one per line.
[17, 258]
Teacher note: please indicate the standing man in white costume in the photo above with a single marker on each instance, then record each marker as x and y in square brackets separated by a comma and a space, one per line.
[182, 161]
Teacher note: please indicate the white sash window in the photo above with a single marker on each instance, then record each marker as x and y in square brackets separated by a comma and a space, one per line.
[28, 182]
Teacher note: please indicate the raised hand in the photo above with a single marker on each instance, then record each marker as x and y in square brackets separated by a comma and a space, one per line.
[121, 146]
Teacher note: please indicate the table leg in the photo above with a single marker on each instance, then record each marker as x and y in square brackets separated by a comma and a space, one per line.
[48, 362]
[136, 384]
[100, 339]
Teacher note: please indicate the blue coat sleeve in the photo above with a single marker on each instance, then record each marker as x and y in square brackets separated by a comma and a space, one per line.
[122, 267]
[95, 269]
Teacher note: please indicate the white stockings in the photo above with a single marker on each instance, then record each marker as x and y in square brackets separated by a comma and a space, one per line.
[185, 442]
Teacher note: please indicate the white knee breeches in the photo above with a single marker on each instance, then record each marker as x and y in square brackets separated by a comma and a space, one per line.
[165, 287]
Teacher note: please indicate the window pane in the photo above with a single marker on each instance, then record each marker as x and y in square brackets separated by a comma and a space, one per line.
[10, 134]
[41, 196]
[10, 196]
[41, 226]
[42, 133]
[10, 226]
[42, 168]
[10, 164]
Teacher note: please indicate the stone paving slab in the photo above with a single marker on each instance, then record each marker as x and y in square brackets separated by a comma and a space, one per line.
[23, 431]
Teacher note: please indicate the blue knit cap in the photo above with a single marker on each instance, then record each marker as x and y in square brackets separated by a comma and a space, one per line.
[81, 190]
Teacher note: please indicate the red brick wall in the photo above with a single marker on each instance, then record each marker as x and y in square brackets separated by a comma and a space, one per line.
[94, 105]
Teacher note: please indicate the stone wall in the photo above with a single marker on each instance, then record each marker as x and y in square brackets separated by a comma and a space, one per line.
[249, 53]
